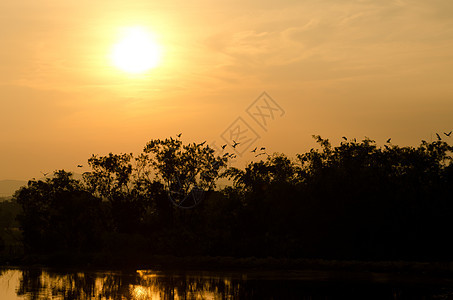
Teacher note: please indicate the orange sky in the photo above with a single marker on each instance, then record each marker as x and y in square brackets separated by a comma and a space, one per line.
[355, 68]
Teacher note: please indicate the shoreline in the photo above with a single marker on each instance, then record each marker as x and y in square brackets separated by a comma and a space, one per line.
[220, 263]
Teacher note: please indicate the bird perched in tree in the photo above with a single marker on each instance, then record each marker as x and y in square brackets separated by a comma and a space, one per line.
[344, 138]
[223, 147]
[388, 141]
[263, 148]
[448, 134]
[179, 135]
[235, 144]
[438, 137]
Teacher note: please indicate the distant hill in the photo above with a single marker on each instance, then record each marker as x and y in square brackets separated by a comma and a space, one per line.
[8, 187]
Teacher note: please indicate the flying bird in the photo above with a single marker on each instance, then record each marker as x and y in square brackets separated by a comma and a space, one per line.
[223, 147]
[254, 150]
[344, 138]
[45, 174]
[388, 141]
[79, 166]
[448, 134]
[438, 137]
[235, 144]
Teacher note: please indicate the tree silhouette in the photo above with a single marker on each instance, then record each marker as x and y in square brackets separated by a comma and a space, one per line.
[58, 214]
[184, 169]
[355, 200]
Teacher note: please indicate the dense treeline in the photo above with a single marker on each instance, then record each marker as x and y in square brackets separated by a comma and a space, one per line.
[10, 240]
[352, 201]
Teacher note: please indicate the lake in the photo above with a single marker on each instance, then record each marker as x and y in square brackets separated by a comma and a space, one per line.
[40, 283]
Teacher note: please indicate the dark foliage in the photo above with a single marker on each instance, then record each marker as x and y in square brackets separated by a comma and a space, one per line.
[58, 214]
[10, 240]
[352, 201]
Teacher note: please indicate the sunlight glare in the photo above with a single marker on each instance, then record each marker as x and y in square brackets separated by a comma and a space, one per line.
[136, 52]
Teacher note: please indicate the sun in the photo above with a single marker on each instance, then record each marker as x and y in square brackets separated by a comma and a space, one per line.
[136, 52]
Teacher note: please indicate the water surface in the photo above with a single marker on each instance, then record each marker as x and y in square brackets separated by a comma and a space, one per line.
[40, 283]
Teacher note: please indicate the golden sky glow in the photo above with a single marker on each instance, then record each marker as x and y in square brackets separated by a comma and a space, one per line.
[355, 68]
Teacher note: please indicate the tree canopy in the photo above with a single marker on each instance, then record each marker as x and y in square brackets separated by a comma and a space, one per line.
[355, 200]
